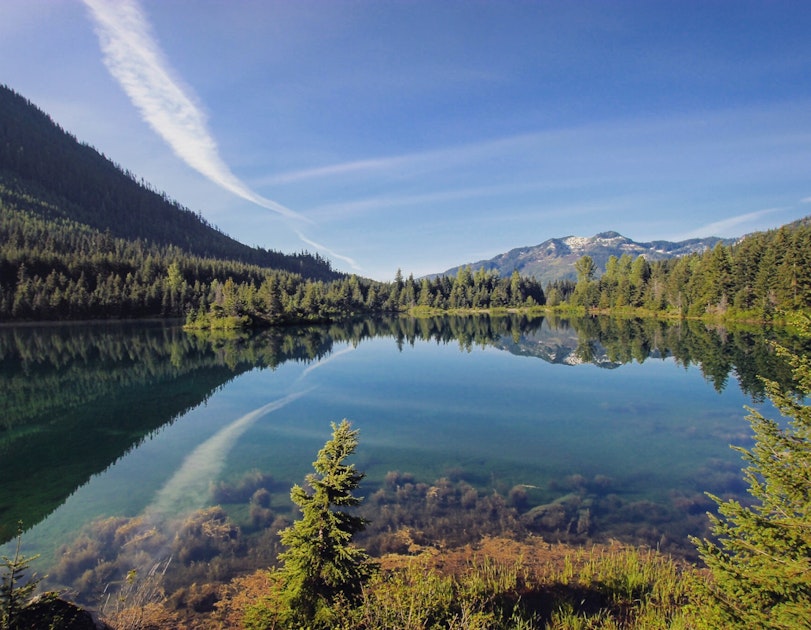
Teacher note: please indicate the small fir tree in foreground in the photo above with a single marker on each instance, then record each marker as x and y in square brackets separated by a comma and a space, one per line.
[321, 566]
[14, 591]
[761, 562]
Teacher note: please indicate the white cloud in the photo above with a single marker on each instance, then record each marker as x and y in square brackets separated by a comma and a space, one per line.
[431, 160]
[700, 147]
[350, 261]
[333, 169]
[728, 227]
[135, 60]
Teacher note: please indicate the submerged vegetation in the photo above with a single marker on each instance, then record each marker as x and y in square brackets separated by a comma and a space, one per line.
[151, 374]
[82, 239]
[757, 577]
[447, 563]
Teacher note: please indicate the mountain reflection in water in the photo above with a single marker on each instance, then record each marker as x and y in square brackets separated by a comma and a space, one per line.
[78, 399]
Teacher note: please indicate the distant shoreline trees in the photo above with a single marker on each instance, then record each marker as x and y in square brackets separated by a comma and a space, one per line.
[55, 269]
[755, 278]
[82, 238]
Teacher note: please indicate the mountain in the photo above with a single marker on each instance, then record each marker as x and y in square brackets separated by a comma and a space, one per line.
[66, 179]
[554, 259]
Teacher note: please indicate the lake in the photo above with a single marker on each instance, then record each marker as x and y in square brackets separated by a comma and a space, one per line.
[127, 443]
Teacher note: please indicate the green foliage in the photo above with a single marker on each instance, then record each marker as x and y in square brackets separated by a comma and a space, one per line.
[480, 290]
[761, 561]
[585, 268]
[409, 599]
[320, 564]
[80, 238]
[38, 158]
[762, 274]
[58, 269]
[605, 588]
[14, 592]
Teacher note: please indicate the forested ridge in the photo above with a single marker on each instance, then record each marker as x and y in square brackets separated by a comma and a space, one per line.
[58, 269]
[762, 274]
[75, 181]
[81, 238]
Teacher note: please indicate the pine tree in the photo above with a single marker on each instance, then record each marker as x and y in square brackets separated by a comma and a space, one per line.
[320, 563]
[761, 562]
[14, 594]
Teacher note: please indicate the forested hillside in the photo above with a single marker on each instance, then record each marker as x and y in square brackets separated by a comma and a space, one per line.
[55, 269]
[41, 161]
[80, 238]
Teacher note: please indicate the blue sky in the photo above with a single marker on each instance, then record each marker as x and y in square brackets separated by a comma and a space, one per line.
[422, 135]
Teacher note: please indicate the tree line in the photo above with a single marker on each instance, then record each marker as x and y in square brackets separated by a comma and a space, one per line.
[763, 273]
[83, 238]
[55, 268]
[75, 181]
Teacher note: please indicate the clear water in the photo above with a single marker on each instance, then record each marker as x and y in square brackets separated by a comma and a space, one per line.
[142, 419]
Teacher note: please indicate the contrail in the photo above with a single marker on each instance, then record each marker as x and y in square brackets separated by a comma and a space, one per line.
[135, 60]
[323, 362]
[188, 488]
[323, 248]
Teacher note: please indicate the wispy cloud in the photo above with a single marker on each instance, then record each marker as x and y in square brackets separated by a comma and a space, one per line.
[331, 170]
[499, 191]
[610, 148]
[431, 160]
[350, 261]
[728, 227]
[136, 61]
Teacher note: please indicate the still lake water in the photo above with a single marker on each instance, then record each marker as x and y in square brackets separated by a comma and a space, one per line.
[588, 429]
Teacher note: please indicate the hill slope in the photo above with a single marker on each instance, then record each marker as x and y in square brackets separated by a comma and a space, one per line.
[554, 259]
[38, 159]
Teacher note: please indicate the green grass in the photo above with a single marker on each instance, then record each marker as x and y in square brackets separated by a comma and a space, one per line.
[609, 587]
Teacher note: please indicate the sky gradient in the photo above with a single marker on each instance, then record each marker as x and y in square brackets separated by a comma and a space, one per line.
[421, 135]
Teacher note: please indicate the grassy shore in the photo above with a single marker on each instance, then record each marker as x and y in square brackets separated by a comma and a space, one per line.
[496, 583]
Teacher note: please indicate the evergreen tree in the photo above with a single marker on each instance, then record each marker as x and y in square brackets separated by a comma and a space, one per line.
[14, 594]
[320, 563]
[585, 292]
[516, 294]
[425, 298]
[761, 562]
